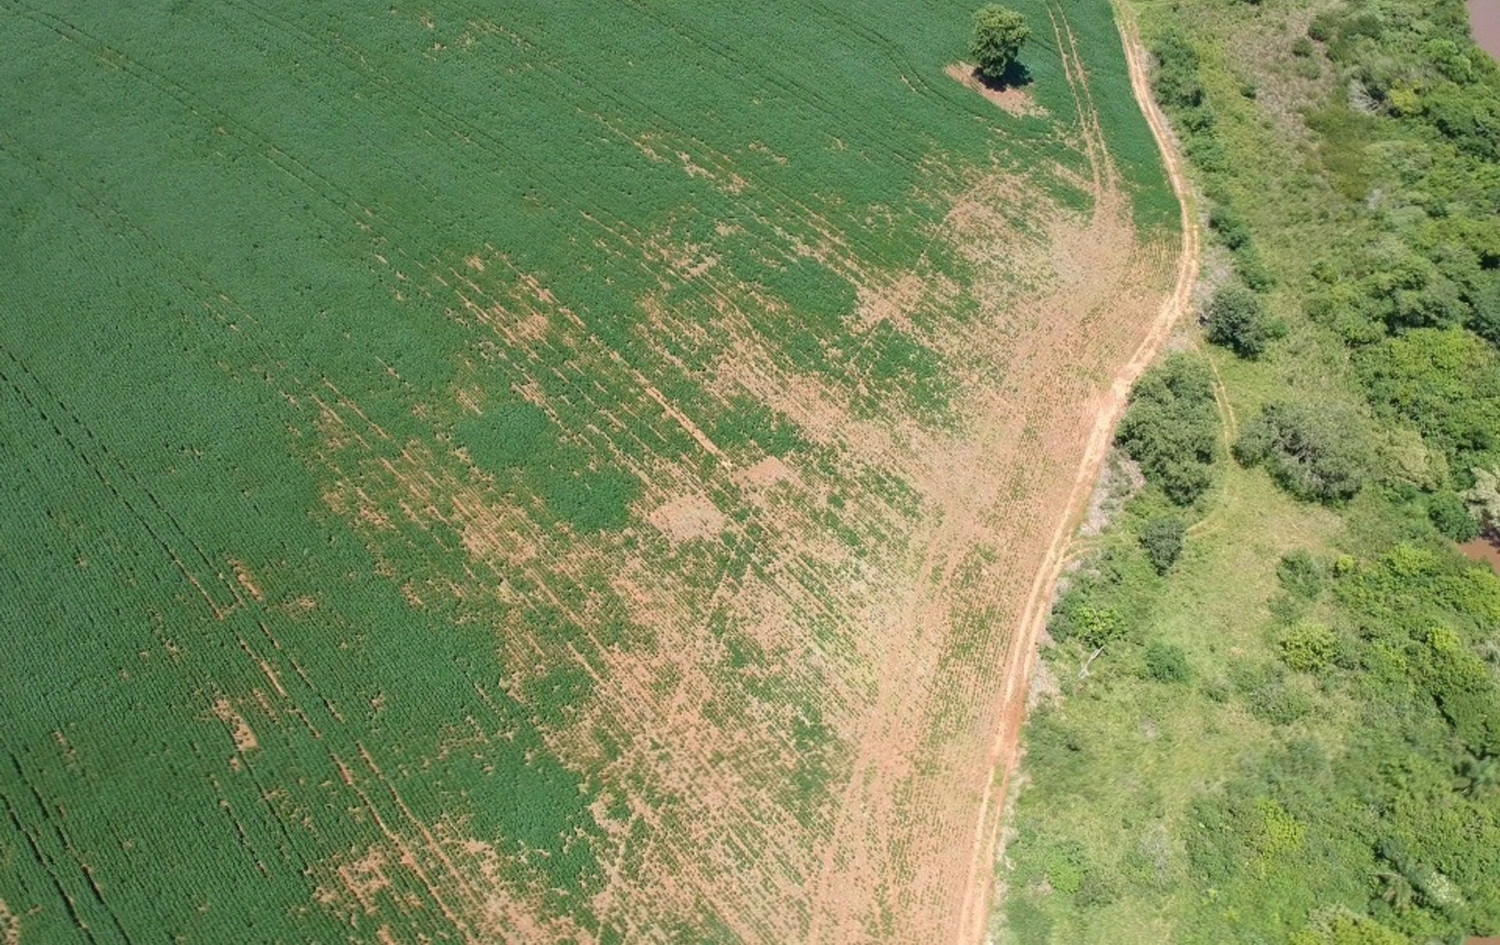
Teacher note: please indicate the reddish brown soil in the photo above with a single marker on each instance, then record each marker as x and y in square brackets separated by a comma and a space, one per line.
[1484, 16]
[1483, 550]
[1023, 648]
[1016, 101]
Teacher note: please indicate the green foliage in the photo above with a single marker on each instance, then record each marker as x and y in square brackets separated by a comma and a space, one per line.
[999, 34]
[1175, 79]
[507, 435]
[1444, 381]
[1163, 538]
[1093, 626]
[1167, 662]
[592, 500]
[1379, 821]
[1300, 574]
[1236, 318]
[1463, 687]
[1484, 497]
[1308, 647]
[1270, 694]
[1028, 923]
[1314, 453]
[1230, 227]
[1450, 515]
[1172, 427]
[1342, 927]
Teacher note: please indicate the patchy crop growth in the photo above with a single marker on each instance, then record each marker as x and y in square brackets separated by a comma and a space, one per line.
[537, 472]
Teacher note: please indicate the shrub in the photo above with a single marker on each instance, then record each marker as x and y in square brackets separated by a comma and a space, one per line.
[1229, 225]
[1323, 26]
[1172, 427]
[1253, 271]
[1175, 80]
[1093, 626]
[1315, 454]
[1450, 515]
[1278, 703]
[1342, 927]
[1484, 498]
[1308, 647]
[1167, 663]
[1236, 319]
[1163, 538]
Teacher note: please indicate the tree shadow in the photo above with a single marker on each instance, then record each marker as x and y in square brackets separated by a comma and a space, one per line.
[1016, 76]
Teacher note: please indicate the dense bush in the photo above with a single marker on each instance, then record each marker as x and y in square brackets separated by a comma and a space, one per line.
[1380, 820]
[1446, 382]
[1484, 498]
[1314, 453]
[1093, 626]
[1175, 80]
[1308, 647]
[1172, 427]
[1236, 318]
[1163, 538]
[1450, 515]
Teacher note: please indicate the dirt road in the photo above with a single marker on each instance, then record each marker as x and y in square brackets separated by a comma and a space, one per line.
[1022, 653]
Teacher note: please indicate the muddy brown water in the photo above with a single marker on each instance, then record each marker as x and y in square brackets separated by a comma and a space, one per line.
[1484, 17]
[1483, 550]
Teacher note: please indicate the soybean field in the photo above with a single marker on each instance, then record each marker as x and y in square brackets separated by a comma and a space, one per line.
[539, 472]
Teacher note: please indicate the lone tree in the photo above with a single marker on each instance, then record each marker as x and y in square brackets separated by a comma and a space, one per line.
[1236, 319]
[998, 35]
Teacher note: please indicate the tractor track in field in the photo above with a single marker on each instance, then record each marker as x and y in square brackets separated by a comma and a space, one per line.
[973, 919]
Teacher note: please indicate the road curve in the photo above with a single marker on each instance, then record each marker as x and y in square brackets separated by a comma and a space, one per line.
[974, 917]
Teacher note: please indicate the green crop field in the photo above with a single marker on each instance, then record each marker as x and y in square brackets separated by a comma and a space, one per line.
[470, 471]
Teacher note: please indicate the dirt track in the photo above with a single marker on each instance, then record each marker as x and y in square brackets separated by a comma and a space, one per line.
[1022, 652]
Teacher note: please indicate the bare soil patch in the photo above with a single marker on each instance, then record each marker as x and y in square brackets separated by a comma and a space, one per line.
[1484, 550]
[688, 517]
[239, 729]
[1016, 101]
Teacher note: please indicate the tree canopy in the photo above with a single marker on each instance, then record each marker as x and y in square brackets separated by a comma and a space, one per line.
[1236, 319]
[999, 33]
[1172, 427]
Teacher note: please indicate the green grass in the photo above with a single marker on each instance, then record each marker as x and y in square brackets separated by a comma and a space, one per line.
[1282, 789]
[241, 321]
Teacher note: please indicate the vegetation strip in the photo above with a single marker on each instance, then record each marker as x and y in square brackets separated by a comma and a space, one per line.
[1269, 705]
